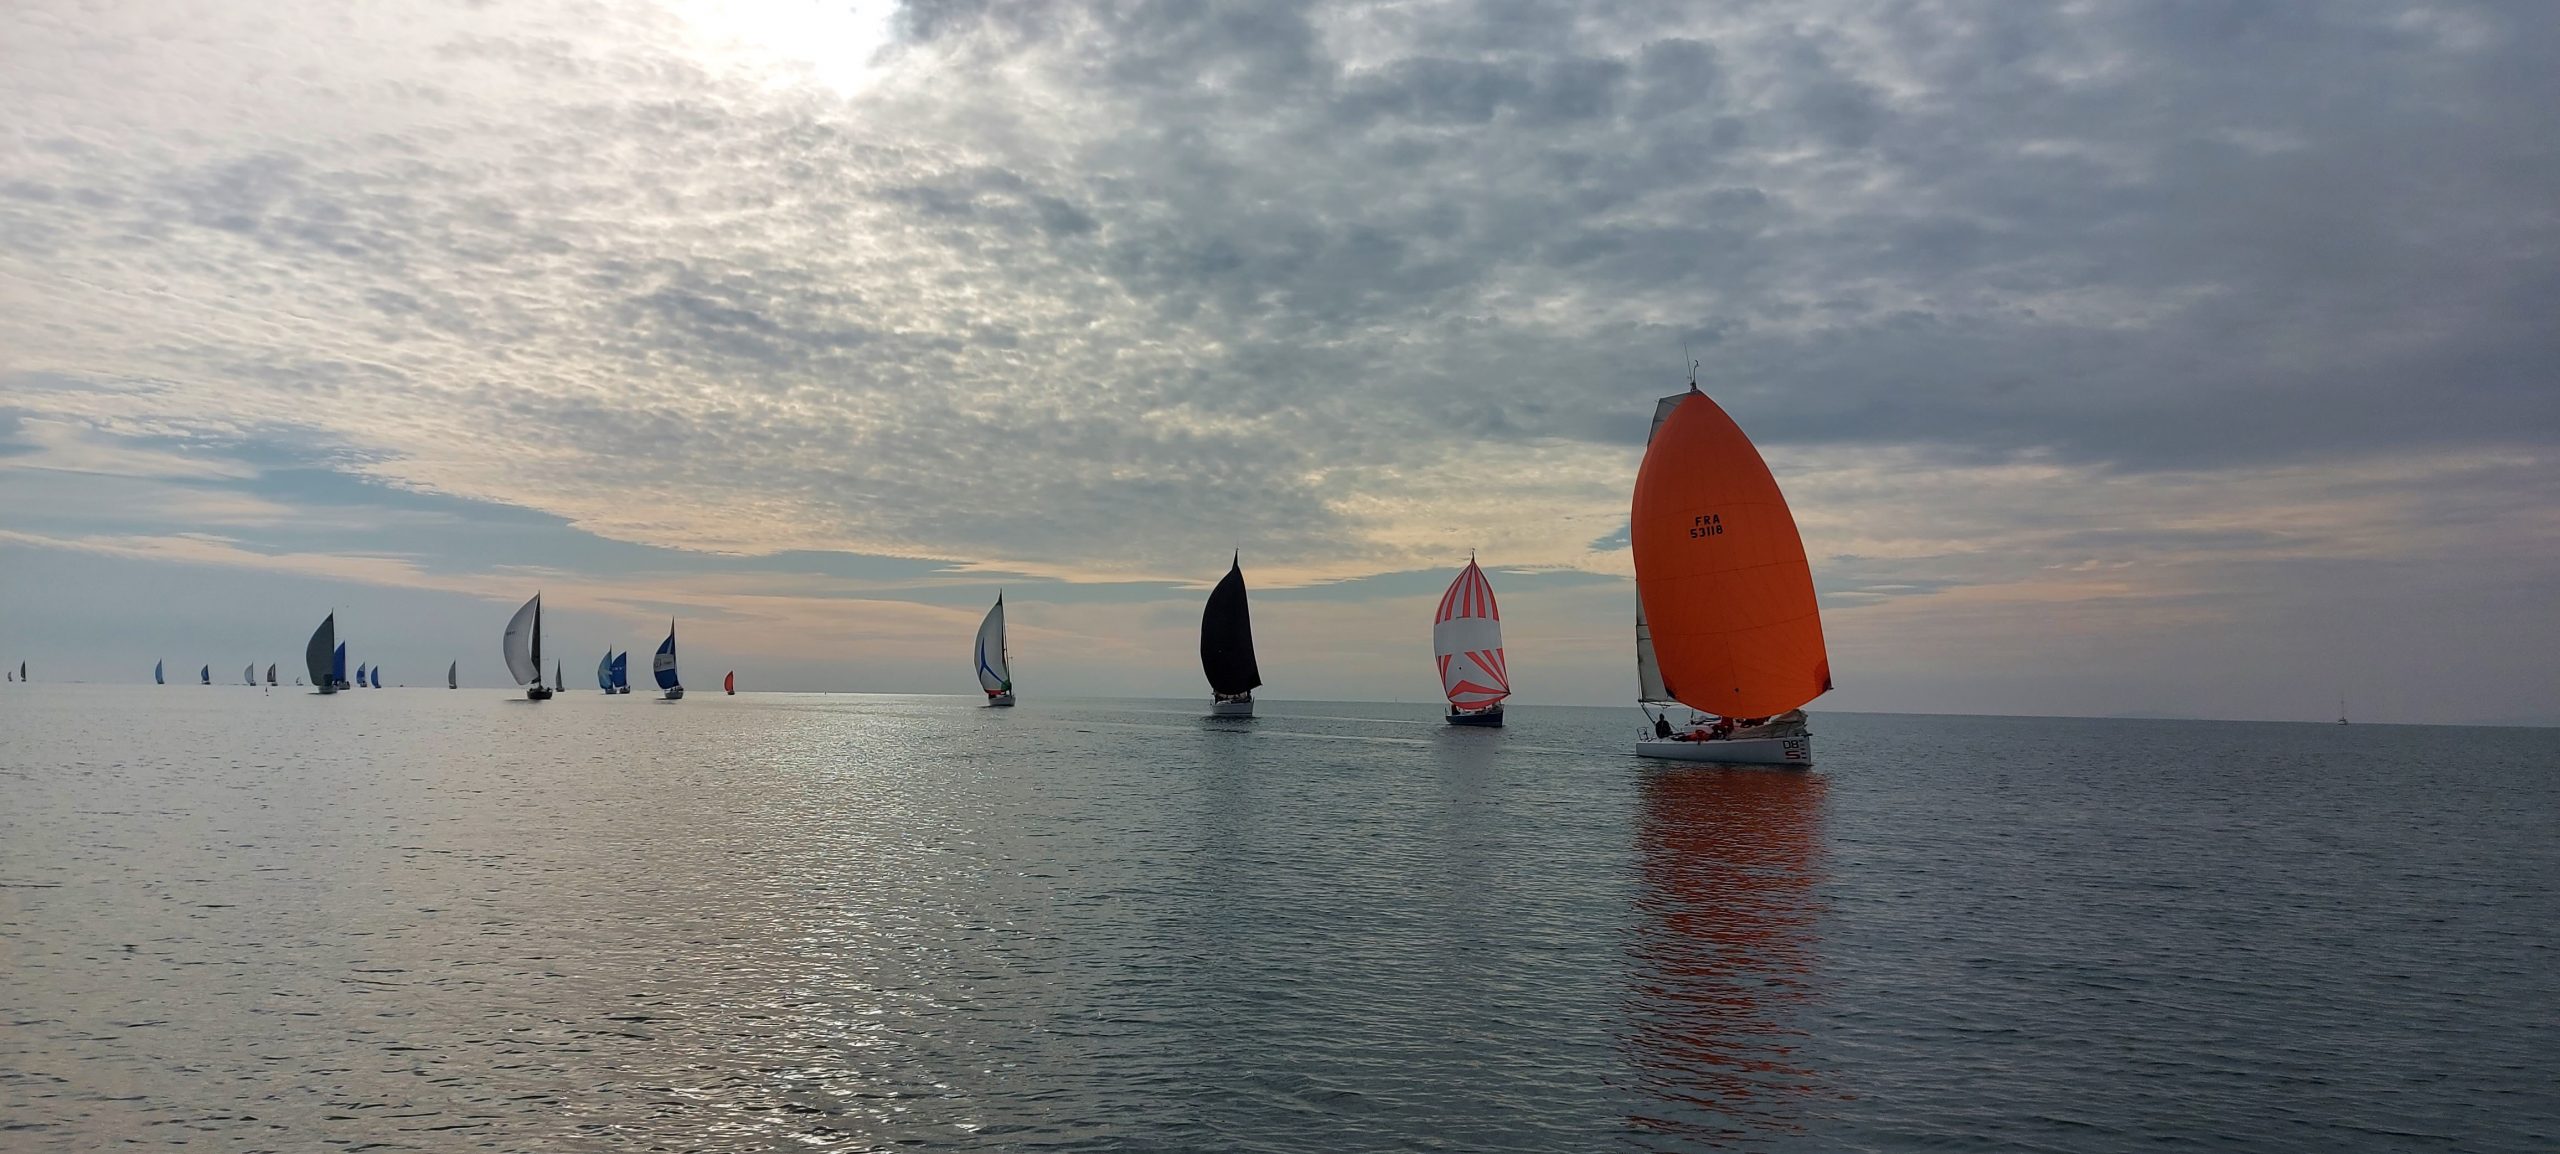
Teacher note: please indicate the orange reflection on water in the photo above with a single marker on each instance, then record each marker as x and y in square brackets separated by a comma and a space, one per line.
[1725, 948]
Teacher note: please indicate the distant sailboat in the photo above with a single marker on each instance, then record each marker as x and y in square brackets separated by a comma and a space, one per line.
[1466, 639]
[376, 672]
[453, 676]
[364, 677]
[317, 656]
[559, 677]
[249, 674]
[1727, 623]
[271, 673]
[22, 672]
[1226, 646]
[622, 672]
[205, 675]
[664, 664]
[995, 671]
[604, 671]
[156, 678]
[729, 684]
[2342, 709]
[522, 647]
[338, 667]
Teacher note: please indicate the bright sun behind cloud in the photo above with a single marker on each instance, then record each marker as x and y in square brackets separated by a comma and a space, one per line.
[834, 43]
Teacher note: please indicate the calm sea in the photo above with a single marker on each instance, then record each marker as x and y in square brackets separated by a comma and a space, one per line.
[429, 920]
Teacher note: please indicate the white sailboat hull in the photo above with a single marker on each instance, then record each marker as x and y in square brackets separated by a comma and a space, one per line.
[1795, 751]
[995, 699]
[1242, 708]
[675, 693]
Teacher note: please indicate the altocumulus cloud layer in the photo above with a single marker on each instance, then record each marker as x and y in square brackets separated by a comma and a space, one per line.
[2074, 329]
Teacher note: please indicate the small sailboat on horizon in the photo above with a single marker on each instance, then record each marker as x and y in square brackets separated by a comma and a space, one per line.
[729, 684]
[156, 677]
[1226, 645]
[521, 645]
[621, 673]
[995, 669]
[1466, 640]
[338, 668]
[664, 665]
[1726, 619]
[453, 676]
[204, 676]
[249, 674]
[271, 675]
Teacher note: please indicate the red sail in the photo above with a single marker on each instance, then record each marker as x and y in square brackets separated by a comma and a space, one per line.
[1721, 573]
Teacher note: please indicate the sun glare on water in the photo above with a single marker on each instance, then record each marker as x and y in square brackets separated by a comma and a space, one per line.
[830, 42]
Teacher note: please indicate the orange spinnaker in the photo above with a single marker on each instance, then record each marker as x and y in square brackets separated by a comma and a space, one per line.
[1721, 572]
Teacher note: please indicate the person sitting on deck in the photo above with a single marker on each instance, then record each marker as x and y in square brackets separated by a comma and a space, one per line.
[1662, 726]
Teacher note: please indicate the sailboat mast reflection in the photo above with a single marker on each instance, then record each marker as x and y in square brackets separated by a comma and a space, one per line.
[1726, 950]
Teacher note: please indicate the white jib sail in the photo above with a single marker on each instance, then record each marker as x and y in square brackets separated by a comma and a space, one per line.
[1466, 638]
[518, 644]
[1649, 686]
[994, 674]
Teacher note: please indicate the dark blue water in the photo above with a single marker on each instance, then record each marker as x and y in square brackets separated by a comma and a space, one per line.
[430, 920]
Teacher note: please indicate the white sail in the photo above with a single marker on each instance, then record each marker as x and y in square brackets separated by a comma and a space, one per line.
[517, 646]
[249, 674]
[1649, 686]
[995, 675]
[1466, 637]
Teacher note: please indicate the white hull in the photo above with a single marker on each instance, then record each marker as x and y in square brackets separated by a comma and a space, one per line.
[1746, 751]
[1242, 708]
[676, 694]
[999, 699]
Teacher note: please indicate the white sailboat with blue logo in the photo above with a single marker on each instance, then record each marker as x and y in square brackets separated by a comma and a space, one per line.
[995, 672]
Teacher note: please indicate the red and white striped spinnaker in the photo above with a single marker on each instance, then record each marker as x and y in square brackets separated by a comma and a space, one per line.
[1467, 638]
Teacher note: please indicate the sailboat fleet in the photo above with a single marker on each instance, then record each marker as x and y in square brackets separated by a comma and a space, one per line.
[1728, 641]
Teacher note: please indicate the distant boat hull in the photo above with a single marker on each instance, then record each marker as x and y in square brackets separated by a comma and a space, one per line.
[995, 699]
[675, 693]
[1787, 751]
[1487, 718]
[538, 692]
[1242, 708]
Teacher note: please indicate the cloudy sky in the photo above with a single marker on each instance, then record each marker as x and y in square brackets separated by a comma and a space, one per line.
[2192, 356]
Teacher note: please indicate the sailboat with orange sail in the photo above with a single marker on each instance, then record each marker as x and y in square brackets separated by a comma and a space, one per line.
[1726, 621]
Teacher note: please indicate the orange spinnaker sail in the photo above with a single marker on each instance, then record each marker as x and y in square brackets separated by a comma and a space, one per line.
[1721, 572]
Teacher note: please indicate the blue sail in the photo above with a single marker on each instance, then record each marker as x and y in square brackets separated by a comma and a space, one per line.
[622, 671]
[338, 665]
[665, 663]
[604, 671]
[156, 678]
[205, 675]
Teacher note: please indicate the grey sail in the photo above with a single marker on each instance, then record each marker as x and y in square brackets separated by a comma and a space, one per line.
[518, 645]
[320, 657]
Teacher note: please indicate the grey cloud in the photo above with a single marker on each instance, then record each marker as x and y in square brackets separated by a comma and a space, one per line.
[1186, 259]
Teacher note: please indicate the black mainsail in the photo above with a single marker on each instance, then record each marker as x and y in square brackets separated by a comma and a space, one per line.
[320, 657]
[1226, 637]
